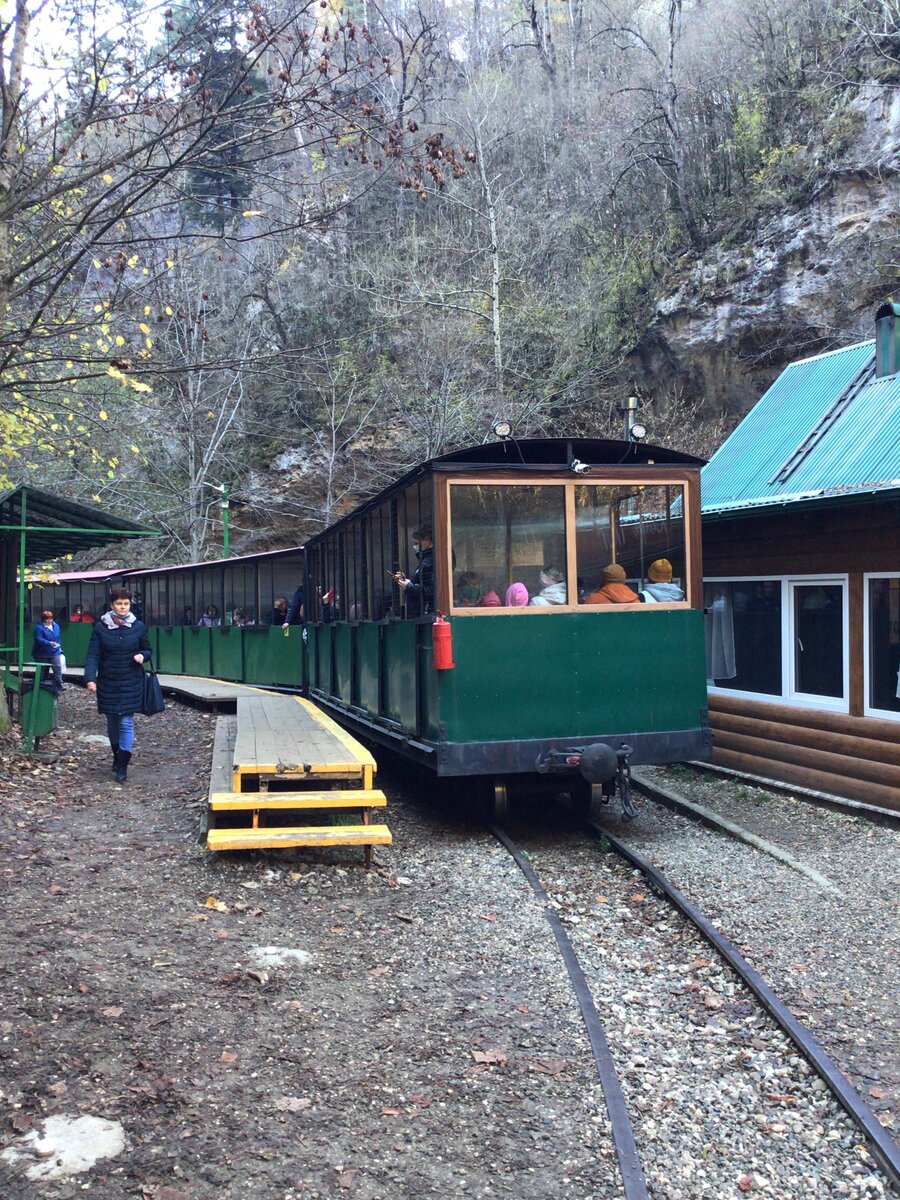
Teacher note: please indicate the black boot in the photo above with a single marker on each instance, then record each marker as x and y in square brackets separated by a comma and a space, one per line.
[122, 760]
[115, 754]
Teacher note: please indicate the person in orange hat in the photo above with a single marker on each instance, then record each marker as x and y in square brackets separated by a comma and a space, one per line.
[614, 589]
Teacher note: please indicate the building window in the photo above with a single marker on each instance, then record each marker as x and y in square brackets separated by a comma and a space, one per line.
[779, 638]
[818, 639]
[743, 635]
[883, 645]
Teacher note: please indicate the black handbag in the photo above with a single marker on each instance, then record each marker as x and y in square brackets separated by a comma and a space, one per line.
[153, 701]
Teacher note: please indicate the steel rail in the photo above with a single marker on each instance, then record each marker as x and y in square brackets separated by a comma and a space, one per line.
[623, 1134]
[883, 1146]
[841, 804]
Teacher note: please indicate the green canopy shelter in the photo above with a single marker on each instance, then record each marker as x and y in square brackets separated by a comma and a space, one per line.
[36, 526]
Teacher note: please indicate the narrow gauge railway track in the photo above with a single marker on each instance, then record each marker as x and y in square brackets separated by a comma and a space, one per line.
[792, 1131]
[870, 812]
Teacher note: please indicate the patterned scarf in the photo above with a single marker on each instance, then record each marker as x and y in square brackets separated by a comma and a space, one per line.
[113, 621]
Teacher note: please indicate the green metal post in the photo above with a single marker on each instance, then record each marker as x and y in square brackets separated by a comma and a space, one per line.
[22, 588]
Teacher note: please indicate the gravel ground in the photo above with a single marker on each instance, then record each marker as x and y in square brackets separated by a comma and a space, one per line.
[722, 1104]
[832, 954]
[408, 1032]
[428, 1046]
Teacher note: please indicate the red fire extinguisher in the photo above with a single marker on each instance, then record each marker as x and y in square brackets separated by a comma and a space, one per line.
[442, 644]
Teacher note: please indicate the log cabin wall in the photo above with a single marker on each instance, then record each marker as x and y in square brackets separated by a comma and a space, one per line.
[844, 753]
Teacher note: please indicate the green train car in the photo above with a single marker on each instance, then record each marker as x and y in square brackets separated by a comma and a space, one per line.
[561, 579]
[498, 613]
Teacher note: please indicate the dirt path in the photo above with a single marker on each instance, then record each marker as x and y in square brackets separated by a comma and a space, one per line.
[412, 1037]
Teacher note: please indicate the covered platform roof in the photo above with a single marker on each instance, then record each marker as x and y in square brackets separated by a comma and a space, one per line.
[54, 527]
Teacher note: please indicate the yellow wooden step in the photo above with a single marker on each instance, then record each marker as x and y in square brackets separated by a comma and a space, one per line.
[273, 801]
[301, 835]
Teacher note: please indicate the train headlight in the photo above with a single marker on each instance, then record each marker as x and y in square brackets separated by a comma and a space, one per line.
[638, 432]
[501, 429]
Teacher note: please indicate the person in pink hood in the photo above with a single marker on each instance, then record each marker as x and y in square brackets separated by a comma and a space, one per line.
[516, 595]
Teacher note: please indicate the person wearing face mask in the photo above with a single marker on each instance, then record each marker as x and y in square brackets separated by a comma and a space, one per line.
[113, 671]
[418, 591]
[472, 593]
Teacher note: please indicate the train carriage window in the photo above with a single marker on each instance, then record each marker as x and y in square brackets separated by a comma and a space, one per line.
[382, 554]
[639, 528]
[356, 590]
[505, 535]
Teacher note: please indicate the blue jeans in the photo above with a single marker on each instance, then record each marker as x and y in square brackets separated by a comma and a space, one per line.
[120, 730]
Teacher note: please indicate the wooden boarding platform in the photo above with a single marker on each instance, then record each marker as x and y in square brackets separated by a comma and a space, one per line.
[280, 756]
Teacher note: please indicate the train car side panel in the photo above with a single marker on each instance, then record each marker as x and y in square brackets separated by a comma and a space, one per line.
[169, 648]
[400, 674]
[520, 678]
[226, 653]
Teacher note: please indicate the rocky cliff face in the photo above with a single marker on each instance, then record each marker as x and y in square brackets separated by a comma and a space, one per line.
[807, 280]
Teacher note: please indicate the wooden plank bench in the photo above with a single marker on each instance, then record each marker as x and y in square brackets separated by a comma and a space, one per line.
[275, 801]
[287, 737]
[285, 837]
[285, 740]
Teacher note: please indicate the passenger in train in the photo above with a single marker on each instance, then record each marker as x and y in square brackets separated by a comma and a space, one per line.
[472, 593]
[660, 589]
[278, 611]
[419, 590]
[553, 589]
[516, 595]
[210, 617]
[78, 614]
[113, 670]
[187, 616]
[47, 648]
[296, 610]
[614, 589]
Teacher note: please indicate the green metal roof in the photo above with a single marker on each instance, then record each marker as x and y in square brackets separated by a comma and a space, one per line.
[826, 429]
[54, 527]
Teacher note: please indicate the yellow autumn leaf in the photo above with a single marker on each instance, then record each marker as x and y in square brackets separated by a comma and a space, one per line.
[252, 213]
[146, 310]
[144, 328]
[170, 262]
[141, 387]
[120, 341]
[134, 450]
[168, 311]
[107, 179]
[96, 498]
[97, 263]
[104, 415]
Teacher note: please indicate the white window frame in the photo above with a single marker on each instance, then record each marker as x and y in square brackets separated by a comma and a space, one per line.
[883, 714]
[793, 695]
[789, 695]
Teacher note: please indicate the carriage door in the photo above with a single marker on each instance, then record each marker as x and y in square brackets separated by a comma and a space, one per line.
[819, 672]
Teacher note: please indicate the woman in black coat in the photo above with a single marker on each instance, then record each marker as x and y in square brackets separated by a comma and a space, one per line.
[113, 669]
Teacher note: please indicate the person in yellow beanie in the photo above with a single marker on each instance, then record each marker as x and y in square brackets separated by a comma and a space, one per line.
[660, 589]
[614, 589]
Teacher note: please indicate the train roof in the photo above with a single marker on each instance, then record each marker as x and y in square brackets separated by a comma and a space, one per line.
[214, 562]
[532, 454]
[554, 453]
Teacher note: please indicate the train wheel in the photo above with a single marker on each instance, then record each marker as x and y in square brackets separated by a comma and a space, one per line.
[589, 799]
[500, 801]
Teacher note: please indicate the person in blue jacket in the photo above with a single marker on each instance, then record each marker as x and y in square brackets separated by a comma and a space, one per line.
[47, 648]
[113, 669]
